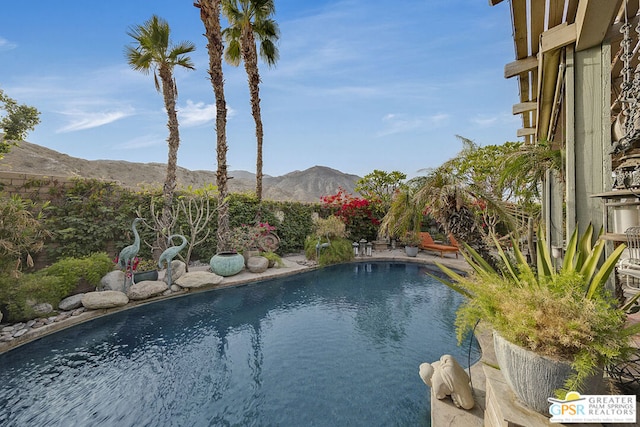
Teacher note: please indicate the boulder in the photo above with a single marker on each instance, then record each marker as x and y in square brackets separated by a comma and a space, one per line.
[104, 299]
[197, 279]
[42, 308]
[71, 303]
[112, 281]
[146, 289]
[257, 264]
[178, 268]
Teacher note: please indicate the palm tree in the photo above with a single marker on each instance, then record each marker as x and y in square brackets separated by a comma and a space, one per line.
[155, 51]
[248, 20]
[210, 16]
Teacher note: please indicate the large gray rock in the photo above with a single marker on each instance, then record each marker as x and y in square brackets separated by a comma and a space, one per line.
[257, 264]
[146, 289]
[71, 303]
[42, 308]
[104, 299]
[197, 279]
[112, 281]
[178, 268]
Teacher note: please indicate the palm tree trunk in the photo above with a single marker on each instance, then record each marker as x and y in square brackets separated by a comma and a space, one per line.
[210, 16]
[250, 57]
[173, 141]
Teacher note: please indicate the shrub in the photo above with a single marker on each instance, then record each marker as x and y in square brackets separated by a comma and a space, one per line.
[329, 228]
[50, 284]
[21, 232]
[339, 250]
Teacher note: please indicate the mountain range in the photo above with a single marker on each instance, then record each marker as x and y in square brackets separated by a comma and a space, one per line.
[303, 186]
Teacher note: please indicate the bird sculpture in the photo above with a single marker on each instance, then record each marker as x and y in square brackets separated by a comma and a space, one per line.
[125, 259]
[170, 253]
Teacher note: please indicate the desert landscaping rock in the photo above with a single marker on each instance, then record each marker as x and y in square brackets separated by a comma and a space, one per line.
[178, 268]
[146, 289]
[104, 299]
[112, 281]
[71, 303]
[197, 279]
[42, 308]
[257, 264]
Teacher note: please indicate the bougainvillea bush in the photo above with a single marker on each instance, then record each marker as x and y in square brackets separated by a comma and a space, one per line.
[358, 214]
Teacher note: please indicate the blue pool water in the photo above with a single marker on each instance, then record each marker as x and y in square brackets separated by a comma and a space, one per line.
[339, 346]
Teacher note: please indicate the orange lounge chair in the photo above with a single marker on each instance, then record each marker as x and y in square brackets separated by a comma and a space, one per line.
[427, 243]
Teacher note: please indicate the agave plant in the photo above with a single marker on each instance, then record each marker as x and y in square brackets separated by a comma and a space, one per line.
[564, 313]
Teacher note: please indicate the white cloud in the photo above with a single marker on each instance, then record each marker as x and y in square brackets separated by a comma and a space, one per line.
[196, 113]
[399, 123]
[6, 44]
[80, 120]
[142, 142]
[486, 121]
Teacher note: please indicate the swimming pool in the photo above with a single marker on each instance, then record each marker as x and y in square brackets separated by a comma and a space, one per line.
[332, 347]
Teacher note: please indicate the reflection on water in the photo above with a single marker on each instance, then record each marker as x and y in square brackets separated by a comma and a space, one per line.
[338, 346]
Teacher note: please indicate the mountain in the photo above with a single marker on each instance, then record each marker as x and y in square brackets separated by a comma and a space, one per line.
[303, 186]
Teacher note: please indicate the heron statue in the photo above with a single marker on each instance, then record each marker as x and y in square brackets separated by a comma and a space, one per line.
[171, 253]
[125, 259]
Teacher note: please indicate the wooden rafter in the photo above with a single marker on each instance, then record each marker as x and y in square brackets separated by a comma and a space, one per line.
[593, 19]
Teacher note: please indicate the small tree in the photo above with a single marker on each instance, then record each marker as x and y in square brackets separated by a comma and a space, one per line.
[380, 186]
[16, 122]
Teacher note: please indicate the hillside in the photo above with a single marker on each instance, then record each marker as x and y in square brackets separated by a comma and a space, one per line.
[304, 186]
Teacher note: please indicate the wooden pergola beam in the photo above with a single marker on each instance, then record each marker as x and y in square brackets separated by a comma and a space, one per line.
[593, 19]
[523, 107]
[520, 66]
[557, 37]
[494, 2]
[526, 132]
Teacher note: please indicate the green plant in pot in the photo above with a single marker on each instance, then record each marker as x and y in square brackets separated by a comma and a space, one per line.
[562, 318]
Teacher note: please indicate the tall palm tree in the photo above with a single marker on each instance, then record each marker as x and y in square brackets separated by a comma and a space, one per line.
[153, 50]
[250, 20]
[210, 16]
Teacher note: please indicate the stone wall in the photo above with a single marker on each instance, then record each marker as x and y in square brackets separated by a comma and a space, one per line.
[33, 186]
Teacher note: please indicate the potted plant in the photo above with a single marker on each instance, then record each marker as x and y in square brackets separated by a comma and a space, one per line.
[411, 241]
[144, 270]
[274, 259]
[546, 318]
[404, 219]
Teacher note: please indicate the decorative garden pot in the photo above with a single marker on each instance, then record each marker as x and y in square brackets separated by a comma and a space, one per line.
[535, 378]
[145, 275]
[411, 251]
[227, 263]
[248, 253]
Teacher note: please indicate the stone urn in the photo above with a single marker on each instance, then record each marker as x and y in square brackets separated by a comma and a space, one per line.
[534, 378]
[227, 263]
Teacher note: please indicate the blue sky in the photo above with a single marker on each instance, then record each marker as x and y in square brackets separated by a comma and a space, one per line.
[360, 84]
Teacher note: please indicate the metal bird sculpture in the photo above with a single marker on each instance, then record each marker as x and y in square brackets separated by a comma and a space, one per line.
[170, 253]
[125, 259]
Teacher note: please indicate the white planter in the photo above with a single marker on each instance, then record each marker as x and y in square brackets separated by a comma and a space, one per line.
[625, 217]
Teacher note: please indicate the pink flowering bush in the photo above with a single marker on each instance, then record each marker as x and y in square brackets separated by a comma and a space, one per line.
[258, 236]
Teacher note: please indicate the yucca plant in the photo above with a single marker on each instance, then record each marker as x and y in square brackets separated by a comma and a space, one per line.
[565, 313]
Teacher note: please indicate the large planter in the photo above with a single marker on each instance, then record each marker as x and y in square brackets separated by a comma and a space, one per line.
[145, 275]
[535, 378]
[227, 263]
[411, 251]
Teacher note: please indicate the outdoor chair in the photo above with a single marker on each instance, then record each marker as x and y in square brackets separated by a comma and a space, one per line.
[630, 265]
[427, 243]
